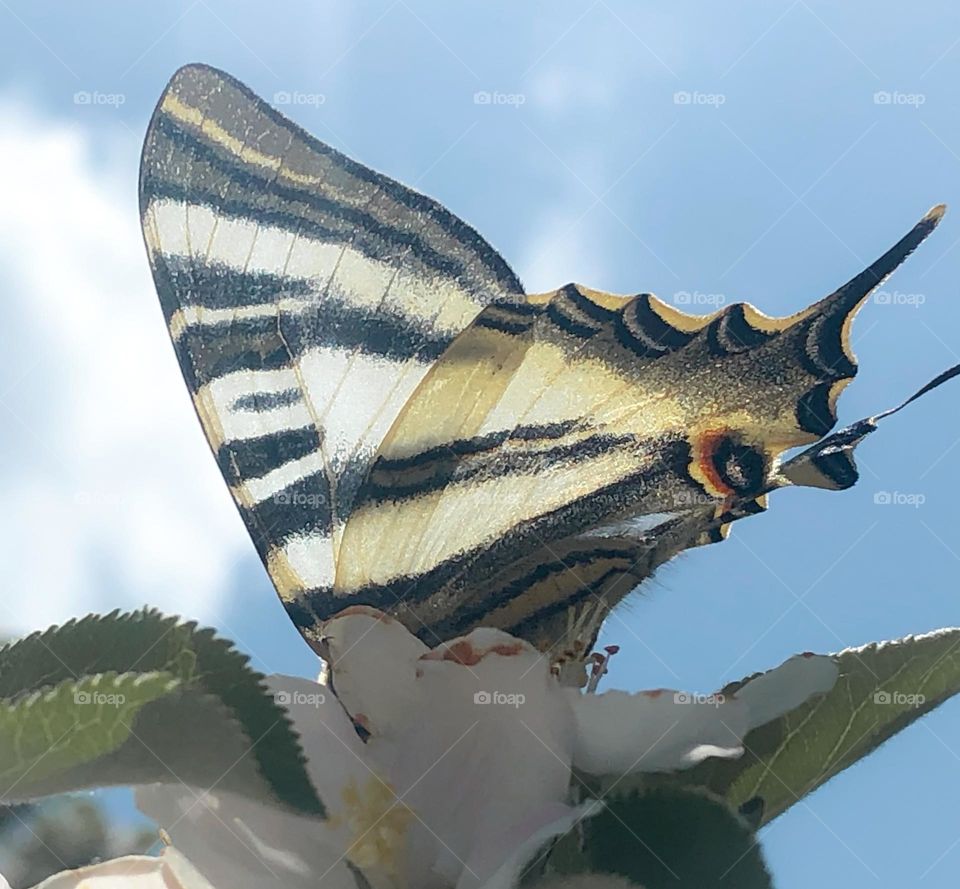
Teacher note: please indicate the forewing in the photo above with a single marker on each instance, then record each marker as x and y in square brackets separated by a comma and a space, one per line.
[306, 296]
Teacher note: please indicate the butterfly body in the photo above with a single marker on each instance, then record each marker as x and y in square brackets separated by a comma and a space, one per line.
[403, 427]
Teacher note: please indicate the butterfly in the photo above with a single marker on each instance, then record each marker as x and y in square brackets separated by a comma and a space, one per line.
[403, 427]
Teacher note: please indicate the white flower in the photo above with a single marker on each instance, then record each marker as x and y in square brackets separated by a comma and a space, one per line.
[170, 871]
[443, 768]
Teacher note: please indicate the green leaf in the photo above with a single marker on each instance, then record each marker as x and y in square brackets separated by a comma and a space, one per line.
[139, 641]
[48, 731]
[218, 696]
[666, 838]
[883, 687]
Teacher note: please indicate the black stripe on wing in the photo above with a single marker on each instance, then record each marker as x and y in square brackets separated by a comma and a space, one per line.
[261, 402]
[644, 332]
[206, 353]
[475, 613]
[731, 333]
[526, 536]
[303, 507]
[453, 471]
[576, 314]
[462, 447]
[254, 457]
[509, 318]
[269, 342]
[182, 281]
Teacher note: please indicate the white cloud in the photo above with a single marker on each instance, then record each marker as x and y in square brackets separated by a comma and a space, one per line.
[109, 495]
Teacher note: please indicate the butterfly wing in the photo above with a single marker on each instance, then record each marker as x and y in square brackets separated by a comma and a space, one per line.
[306, 296]
[559, 451]
[401, 427]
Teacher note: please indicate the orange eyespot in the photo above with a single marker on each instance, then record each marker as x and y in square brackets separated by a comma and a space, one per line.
[704, 468]
[727, 466]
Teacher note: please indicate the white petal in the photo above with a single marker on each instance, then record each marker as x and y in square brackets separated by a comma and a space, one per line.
[482, 758]
[665, 730]
[786, 687]
[654, 731]
[372, 663]
[169, 871]
[239, 844]
[334, 752]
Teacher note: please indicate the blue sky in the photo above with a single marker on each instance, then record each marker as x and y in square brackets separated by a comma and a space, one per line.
[814, 136]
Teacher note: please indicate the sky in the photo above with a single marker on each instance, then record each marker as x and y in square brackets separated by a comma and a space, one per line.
[764, 152]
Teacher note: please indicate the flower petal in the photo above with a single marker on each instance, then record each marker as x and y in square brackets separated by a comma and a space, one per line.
[371, 658]
[335, 754]
[170, 871]
[778, 691]
[654, 731]
[240, 844]
[481, 757]
[666, 730]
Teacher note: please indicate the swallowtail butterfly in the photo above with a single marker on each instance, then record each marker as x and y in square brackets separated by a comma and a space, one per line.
[402, 426]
